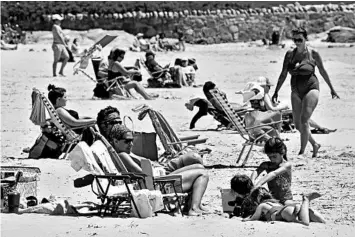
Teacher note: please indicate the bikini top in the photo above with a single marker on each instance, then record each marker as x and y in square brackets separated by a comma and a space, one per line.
[304, 67]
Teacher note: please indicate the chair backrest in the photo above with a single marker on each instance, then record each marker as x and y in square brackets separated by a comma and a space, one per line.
[162, 128]
[96, 65]
[114, 156]
[142, 62]
[69, 134]
[230, 112]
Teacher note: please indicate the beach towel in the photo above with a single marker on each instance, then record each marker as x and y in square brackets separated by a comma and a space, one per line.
[81, 157]
[103, 157]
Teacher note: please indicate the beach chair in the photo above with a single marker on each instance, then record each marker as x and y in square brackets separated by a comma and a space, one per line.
[40, 104]
[83, 63]
[169, 185]
[113, 189]
[173, 145]
[238, 123]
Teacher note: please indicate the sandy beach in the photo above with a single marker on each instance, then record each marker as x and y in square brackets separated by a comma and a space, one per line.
[230, 66]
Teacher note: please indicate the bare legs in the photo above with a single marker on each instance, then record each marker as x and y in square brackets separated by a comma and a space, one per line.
[194, 178]
[139, 88]
[302, 110]
[302, 213]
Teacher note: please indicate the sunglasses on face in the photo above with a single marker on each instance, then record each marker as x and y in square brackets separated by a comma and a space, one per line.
[112, 122]
[127, 141]
[297, 40]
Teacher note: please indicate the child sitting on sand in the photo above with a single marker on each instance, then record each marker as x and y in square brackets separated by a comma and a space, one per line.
[270, 210]
[278, 169]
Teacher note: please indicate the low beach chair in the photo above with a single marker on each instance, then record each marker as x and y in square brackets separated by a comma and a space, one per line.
[169, 185]
[40, 104]
[245, 132]
[113, 189]
[172, 144]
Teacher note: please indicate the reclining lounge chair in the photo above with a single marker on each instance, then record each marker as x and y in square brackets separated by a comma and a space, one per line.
[40, 104]
[247, 133]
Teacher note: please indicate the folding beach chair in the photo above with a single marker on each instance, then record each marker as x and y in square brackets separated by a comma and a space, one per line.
[83, 63]
[40, 104]
[245, 132]
[169, 185]
[172, 144]
[113, 189]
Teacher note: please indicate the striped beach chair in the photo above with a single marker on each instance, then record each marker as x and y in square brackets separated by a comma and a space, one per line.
[245, 132]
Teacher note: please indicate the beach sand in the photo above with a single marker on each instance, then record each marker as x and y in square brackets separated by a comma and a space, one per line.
[230, 66]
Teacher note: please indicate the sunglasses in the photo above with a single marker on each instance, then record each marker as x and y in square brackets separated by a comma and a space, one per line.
[297, 40]
[127, 141]
[112, 122]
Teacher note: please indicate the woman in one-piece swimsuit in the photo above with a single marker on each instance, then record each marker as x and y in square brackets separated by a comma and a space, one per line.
[301, 63]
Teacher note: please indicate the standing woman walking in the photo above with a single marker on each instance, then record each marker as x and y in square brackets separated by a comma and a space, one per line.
[301, 63]
[59, 46]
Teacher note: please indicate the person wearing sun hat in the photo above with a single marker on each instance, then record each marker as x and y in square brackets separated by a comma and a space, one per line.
[266, 104]
[59, 45]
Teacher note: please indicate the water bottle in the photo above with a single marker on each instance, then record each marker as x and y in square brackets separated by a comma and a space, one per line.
[14, 201]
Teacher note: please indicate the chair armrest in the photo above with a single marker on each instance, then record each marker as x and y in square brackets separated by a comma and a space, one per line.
[265, 124]
[189, 137]
[168, 178]
[190, 142]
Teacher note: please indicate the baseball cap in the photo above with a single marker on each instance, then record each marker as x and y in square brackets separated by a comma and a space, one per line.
[264, 81]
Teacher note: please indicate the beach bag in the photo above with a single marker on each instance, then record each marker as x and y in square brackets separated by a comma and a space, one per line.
[147, 202]
[144, 144]
[100, 91]
[45, 147]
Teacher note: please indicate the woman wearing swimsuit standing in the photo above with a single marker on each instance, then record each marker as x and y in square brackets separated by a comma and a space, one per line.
[301, 63]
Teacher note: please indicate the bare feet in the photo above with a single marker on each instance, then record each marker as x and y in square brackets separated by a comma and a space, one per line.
[62, 75]
[311, 196]
[195, 212]
[315, 150]
[204, 210]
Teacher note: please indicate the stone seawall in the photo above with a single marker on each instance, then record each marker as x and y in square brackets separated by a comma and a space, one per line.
[210, 27]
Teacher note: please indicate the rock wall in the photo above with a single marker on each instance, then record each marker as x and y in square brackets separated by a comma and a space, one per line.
[208, 27]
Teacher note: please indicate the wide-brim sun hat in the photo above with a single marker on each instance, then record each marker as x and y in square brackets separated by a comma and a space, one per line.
[249, 93]
[57, 17]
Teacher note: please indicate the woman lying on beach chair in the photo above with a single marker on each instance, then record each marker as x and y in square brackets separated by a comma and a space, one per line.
[116, 71]
[261, 101]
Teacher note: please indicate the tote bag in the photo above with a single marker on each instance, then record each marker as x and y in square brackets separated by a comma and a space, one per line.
[144, 143]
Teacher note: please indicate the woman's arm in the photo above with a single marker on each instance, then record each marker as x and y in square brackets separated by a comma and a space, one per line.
[257, 214]
[73, 122]
[270, 176]
[131, 166]
[283, 74]
[323, 72]
[270, 106]
[118, 67]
